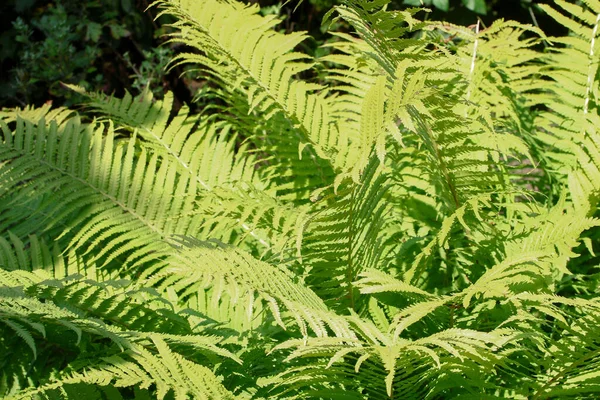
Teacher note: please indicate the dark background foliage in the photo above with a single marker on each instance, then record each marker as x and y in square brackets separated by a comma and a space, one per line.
[118, 45]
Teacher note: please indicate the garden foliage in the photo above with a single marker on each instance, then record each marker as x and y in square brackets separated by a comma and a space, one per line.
[418, 223]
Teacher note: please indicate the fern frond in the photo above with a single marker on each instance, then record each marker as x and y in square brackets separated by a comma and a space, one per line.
[77, 165]
[168, 371]
[213, 158]
[567, 132]
[194, 144]
[256, 60]
[344, 239]
[384, 31]
[34, 114]
[200, 265]
[139, 323]
[398, 369]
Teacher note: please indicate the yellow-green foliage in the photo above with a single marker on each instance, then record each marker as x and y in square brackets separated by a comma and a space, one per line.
[417, 222]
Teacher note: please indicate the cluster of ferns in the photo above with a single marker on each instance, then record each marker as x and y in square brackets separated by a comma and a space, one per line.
[417, 219]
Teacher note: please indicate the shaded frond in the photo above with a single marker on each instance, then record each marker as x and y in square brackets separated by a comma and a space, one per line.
[344, 239]
[197, 266]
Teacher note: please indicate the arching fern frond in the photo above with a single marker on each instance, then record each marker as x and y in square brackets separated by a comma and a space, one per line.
[34, 114]
[198, 146]
[37, 256]
[196, 266]
[209, 152]
[99, 174]
[386, 32]
[69, 315]
[402, 368]
[168, 371]
[567, 132]
[244, 53]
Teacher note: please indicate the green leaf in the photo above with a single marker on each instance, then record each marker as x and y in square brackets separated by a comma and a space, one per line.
[477, 6]
[417, 3]
[441, 4]
[117, 31]
[94, 30]
[128, 6]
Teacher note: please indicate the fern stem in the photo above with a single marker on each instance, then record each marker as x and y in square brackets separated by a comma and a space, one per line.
[472, 70]
[350, 276]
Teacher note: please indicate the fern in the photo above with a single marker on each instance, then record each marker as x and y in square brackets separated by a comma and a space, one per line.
[417, 220]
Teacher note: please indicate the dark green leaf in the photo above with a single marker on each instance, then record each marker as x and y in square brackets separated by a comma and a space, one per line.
[441, 4]
[417, 3]
[477, 6]
[94, 30]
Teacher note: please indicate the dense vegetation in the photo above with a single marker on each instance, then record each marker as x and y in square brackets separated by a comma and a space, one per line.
[115, 46]
[411, 214]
